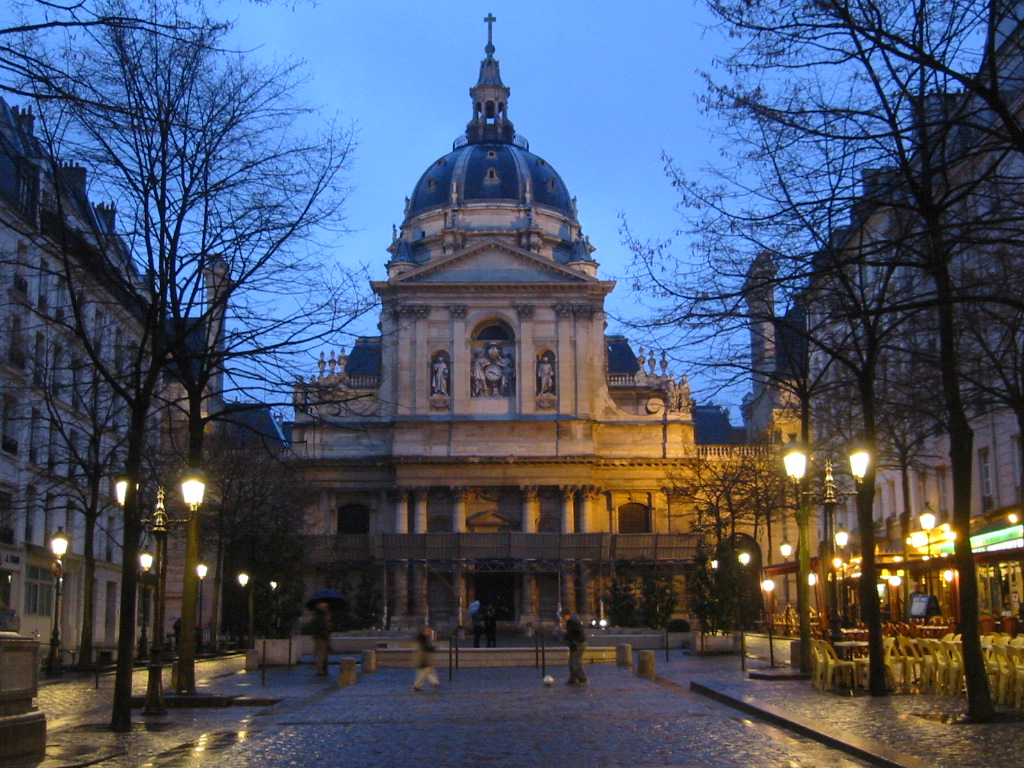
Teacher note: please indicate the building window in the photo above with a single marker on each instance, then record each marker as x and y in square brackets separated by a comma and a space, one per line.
[985, 478]
[16, 347]
[353, 519]
[6, 518]
[8, 427]
[38, 591]
[31, 502]
[634, 518]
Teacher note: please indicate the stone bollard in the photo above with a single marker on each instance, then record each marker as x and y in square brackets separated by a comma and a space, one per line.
[624, 656]
[22, 725]
[346, 672]
[252, 661]
[645, 668]
[369, 662]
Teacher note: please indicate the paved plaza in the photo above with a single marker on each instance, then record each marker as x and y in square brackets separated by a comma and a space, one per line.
[507, 717]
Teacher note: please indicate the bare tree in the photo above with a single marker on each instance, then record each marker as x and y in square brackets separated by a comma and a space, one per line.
[222, 200]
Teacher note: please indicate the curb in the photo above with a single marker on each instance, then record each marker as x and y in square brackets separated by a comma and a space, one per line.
[855, 746]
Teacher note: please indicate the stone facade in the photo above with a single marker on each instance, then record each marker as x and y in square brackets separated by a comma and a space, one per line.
[493, 442]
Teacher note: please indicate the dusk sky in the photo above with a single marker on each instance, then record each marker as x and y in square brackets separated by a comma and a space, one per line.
[599, 89]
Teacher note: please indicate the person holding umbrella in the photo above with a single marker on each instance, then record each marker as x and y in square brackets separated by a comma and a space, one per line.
[321, 630]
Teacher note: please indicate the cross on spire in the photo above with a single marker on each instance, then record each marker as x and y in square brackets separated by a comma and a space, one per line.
[490, 18]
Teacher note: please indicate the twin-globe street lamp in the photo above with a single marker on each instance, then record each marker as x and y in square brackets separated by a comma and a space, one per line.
[146, 560]
[243, 580]
[795, 458]
[58, 546]
[193, 489]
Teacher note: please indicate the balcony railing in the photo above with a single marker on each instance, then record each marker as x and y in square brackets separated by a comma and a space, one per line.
[511, 546]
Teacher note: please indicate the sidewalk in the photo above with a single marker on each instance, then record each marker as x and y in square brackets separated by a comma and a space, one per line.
[910, 730]
[505, 717]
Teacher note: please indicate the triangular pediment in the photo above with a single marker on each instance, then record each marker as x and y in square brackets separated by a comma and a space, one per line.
[493, 261]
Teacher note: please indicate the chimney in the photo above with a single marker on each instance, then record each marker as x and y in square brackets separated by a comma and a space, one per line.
[107, 215]
[74, 177]
[25, 119]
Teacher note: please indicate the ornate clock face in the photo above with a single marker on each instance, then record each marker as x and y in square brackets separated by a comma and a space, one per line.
[655, 405]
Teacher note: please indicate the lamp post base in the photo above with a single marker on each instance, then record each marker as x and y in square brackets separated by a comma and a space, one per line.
[154, 703]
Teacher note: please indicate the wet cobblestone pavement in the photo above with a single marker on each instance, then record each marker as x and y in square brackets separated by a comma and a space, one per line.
[487, 717]
[506, 717]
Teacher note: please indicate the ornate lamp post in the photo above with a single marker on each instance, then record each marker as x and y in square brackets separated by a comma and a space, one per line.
[795, 460]
[243, 580]
[201, 571]
[768, 587]
[58, 546]
[193, 489]
[146, 560]
[154, 702]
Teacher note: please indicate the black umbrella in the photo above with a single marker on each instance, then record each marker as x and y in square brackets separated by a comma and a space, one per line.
[332, 597]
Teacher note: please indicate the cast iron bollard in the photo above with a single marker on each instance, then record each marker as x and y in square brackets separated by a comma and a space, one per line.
[346, 672]
[369, 662]
[624, 656]
[646, 665]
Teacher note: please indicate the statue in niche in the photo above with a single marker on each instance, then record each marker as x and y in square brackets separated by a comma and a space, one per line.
[492, 371]
[439, 374]
[546, 374]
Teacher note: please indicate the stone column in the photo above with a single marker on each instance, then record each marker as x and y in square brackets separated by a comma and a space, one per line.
[587, 510]
[569, 587]
[459, 510]
[531, 509]
[400, 610]
[568, 495]
[420, 592]
[401, 511]
[419, 514]
[530, 601]
[585, 604]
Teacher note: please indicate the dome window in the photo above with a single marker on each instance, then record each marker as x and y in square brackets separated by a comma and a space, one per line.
[431, 184]
[491, 153]
[442, 162]
[491, 177]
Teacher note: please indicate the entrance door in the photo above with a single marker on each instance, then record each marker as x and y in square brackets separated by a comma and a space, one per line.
[497, 590]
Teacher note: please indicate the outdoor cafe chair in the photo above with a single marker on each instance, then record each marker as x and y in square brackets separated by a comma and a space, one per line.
[836, 668]
[956, 665]
[1016, 658]
[916, 666]
[1018, 641]
[1005, 675]
[891, 659]
[1000, 638]
[817, 665]
[942, 668]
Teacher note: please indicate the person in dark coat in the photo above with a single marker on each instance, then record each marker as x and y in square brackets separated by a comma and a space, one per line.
[491, 626]
[576, 640]
[424, 660]
[321, 631]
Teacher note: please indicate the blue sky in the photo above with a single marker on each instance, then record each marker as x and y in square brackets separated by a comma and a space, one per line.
[600, 90]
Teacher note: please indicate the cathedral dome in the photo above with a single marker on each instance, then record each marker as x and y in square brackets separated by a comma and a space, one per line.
[490, 185]
[475, 172]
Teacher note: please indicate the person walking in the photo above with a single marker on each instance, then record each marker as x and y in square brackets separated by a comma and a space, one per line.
[491, 626]
[576, 639]
[321, 631]
[424, 659]
[477, 617]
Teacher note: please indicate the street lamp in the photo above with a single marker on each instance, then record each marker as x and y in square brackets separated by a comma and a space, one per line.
[768, 586]
[201, 571]
[193, 489]
[785, 549]
[154, 702]
[794, 458]
[927, 519]
[58, 546]
[243, 580]
[146, 563]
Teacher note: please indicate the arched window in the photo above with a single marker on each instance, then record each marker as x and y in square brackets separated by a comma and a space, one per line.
[353, 519]
[634, 518]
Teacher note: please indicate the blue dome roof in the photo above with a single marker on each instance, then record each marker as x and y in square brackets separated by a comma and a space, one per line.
[491, 172]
